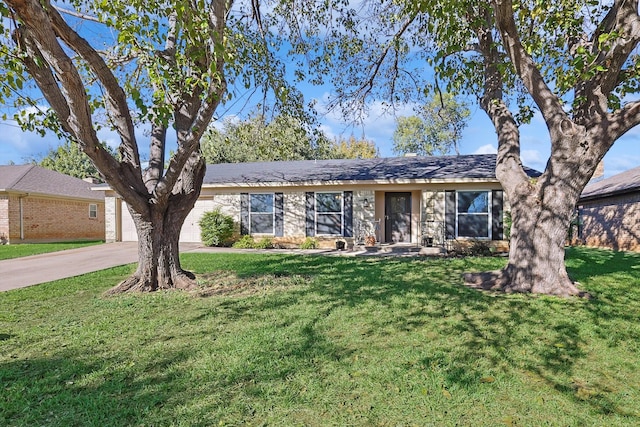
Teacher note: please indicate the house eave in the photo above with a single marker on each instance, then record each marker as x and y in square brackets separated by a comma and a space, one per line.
[316, 183]
[598, 196]
[22, 193]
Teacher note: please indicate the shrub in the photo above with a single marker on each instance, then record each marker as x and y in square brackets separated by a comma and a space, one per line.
[309, 243]
[264, 243]
[508, 221]
[480, 248]
[245, 242]
[216, 228]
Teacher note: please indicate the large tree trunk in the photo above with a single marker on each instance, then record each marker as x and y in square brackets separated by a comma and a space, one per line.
[542, 209]
[536, 256]
[158, 235]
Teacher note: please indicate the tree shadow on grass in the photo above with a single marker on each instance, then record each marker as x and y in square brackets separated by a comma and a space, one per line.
[614, 279]
[78, 387]
[542, 337]
[54, 391]
[465, 336]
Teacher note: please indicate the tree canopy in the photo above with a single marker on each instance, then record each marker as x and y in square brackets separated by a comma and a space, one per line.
[163, 66]
[256, 139]
[436, 130]
[69, 159]
[352, 148]
[281, 139]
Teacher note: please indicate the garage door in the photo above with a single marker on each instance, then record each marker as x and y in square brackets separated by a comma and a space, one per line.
[129, 233]
[190, 229]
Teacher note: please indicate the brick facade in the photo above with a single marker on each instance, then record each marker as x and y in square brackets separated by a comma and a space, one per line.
[50, 219]
[611, 222]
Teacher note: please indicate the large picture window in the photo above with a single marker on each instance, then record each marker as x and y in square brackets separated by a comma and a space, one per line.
[329, 214]
[261, 213]
[473, 214]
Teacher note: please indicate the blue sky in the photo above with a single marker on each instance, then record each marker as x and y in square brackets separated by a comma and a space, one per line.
[478, 137]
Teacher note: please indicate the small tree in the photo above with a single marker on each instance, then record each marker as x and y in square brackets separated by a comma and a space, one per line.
[352, 148]
[436, 130]
[69, 159]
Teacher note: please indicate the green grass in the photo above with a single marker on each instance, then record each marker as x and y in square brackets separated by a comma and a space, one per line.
[325, 341]
[26, 249]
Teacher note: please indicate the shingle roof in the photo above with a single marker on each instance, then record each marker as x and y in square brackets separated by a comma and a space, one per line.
[480, 166]
[35, 179]
[621, 183]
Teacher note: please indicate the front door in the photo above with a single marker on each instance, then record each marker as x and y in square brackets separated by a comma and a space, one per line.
[397, 227]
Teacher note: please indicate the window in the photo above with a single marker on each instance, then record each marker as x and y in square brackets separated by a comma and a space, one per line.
[473, 214]
[261, 213]
[329, 214]
[93, 211]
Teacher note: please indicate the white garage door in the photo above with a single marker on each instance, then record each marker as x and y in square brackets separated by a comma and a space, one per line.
[190, 229]
[129, 233]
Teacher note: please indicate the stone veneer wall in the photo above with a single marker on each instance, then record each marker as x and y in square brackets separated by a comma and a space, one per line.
[612, 222]
[294, 205]
[110, 209]
[229, 204]
[363, 217]
[432, 215]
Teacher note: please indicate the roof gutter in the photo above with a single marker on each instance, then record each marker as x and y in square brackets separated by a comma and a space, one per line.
[609, 194]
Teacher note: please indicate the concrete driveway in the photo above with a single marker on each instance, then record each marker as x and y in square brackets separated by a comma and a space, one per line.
[32, 270]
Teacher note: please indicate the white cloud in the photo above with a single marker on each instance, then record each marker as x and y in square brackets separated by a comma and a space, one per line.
[19, 146]
[533, 159]
[486, 149]
[377, 122]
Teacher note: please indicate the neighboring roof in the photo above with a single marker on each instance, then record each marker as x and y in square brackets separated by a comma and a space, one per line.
[481, 166]
[35, 179]
[625, 182]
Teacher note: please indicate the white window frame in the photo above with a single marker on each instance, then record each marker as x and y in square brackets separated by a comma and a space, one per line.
[489, 214]
[341, 194]
[93, 210]
[273, 214]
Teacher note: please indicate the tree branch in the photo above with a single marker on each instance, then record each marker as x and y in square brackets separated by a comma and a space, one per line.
[365, 88]
[492, 102]
[531, 77]
[196, 112]
[115, 100]
[75, 109]
[43, 76]
[623, 19]
[621, 121]
[157, 144]
[75, 14]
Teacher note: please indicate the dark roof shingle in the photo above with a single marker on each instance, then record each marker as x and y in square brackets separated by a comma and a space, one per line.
[480, 166]
[621, 183]
[35, 179]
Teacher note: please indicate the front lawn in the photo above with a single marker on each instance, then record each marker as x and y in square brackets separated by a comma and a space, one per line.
[324, 341]
[25, 249]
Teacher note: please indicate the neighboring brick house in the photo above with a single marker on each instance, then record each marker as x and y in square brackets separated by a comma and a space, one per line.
[40, 205]
[419, 200]
[609, 212]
